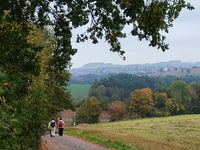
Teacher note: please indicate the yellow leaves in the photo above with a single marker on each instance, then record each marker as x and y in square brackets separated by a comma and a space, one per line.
[142, 103]
[42, 38]
[36, 36]
[117, 110]
[142, 95]
[4, 84]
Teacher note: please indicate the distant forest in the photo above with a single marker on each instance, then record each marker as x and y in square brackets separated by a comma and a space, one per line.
[119, 87]
[130, 96]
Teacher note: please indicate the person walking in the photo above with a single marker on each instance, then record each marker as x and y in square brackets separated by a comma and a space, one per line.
[61, 125]
[49, 128]
[53, 127]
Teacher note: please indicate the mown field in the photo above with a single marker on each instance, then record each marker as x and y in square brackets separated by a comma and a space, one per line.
[79, 90]
[167, 133]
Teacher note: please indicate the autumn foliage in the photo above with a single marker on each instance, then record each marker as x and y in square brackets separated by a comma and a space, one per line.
[89, 111]
[142, 103]
[117, 109]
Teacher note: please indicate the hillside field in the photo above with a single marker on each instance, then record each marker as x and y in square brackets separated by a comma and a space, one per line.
[79, 90]
[166, 133]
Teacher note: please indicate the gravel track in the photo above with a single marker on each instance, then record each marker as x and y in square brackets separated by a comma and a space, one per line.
[69, 143]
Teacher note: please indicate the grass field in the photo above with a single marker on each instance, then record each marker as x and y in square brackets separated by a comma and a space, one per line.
[79, 90]
[167, 133]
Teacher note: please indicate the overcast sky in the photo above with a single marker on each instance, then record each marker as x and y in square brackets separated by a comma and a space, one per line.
[183, 37]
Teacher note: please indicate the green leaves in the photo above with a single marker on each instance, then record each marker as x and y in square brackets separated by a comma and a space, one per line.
[89, 111]
[30, 87]
[104, 19]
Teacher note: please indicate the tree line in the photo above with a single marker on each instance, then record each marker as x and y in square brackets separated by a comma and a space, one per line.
[120, 86]
[144, 96]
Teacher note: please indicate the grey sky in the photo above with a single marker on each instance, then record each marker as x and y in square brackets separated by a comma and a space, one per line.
[183, 37]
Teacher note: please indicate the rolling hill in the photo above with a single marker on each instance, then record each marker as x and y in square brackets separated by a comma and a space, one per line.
[166, 133]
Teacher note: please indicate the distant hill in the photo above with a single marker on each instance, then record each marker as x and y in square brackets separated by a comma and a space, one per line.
[98, 65]
[94, 71]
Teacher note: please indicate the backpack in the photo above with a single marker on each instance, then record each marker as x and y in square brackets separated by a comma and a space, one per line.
[60, 124]
[53, 124]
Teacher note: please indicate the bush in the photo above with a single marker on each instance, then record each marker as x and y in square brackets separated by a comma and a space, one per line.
[117, 110]
[89, 111]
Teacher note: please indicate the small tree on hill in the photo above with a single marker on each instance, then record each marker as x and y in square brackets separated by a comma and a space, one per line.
[180, 93]
[117, 110]
[89, 111]
[174, 108]
[195, 93]
[142, 103]
[160, 100]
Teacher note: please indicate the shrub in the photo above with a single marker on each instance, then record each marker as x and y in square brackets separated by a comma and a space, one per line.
[117, 110]
[89, 111]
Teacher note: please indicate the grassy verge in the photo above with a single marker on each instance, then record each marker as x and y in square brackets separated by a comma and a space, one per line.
[166, 133]
[99, 140]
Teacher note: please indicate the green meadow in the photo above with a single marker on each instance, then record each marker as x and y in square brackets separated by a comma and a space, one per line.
[79, 90]
[166, 133]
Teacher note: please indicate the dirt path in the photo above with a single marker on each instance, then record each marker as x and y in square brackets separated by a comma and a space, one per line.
[68, 143]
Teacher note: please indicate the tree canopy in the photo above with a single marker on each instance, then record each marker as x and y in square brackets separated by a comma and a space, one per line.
[141, 103]
[180, 92]
[118, 87]
[148, 19]
[89, 111]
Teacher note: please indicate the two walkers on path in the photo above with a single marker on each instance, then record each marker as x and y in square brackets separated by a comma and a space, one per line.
[52, 125]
